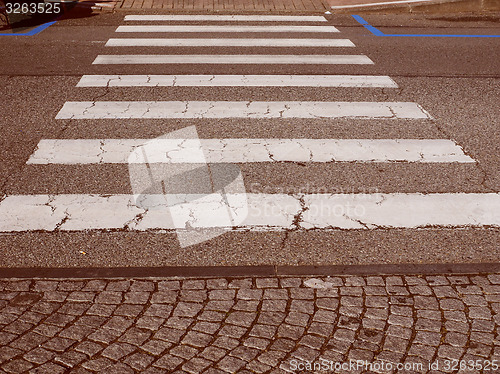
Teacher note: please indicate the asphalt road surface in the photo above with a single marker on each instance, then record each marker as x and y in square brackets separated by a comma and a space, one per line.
[420, 184]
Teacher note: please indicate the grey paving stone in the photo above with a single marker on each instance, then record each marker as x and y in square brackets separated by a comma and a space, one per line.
[39, 356]
[89, 348]
[321, 329]
[213, 353]
[120, 285]
[184, 352]
[181, 323]
[197, 339]
[29, 341]
[136, 297]
[217, 284]
[247, 305]
[274, 305]
[17, 366]
[95, 285]
[241, 283]
[135, 336]
[206, 327]
[266, 282]
[129, 310]
[226, 342]
[196, 365]
[244, 353]
[118, 368]
[290, 331]
[45, 285]
[159, 310]
[169, 285]
[187, 309]
[257, 367]
[297, 319]
[104, 335]
[103, 310]
[302, 306]
[98, 364]
[196, 296]
[244, 319]
[139, 361]
[70, 285]
[150, 323]
[219, 305]
[70, 358]
[156, 347]
[168, 362]
[271, 357]
[372, 317]
[117, 350]
[232, 331]
[109, 297]
[222, 294]
[81, 296]
[276, 294]
[193, 284]
[257, 343]
[290, 282]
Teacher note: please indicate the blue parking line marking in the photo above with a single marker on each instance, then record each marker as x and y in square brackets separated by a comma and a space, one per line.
[377, 32]
[35, 31]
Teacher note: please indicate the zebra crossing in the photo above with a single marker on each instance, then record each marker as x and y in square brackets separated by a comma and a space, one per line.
[263, 211]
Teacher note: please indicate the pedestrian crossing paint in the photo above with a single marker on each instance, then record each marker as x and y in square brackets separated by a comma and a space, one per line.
[172, 151]
[239, 109]
[228, 28]
[266, 212]
[237, 81]
[225, 42]
[238, 18]
[233, 59]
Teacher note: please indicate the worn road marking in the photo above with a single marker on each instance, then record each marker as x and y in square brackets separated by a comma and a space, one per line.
[233, 59]
[203, 17]
[228, 29]
[236, 81]
[103, 151]
[239, 109]
[266, 212]
[159, 42]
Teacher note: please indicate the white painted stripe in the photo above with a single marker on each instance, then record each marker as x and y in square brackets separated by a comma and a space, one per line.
[238, 109]
[233, 59]
[119, 151]
[236, 81]
[229, 28]
[379, 4]
[266, 212]
[204, 17]
[162, 42]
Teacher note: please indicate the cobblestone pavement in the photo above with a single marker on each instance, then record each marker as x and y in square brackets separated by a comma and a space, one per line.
[250, 325]
[229, 5]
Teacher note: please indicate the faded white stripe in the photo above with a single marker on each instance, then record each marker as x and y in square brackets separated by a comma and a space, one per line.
[229, 28]
[236, 80]
[204, 17]
[162, 42]
[233, 59]
[266, 212]
[238, 109]
[117, 151]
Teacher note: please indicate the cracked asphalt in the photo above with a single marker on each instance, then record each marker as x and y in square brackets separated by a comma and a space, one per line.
[454, 80]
